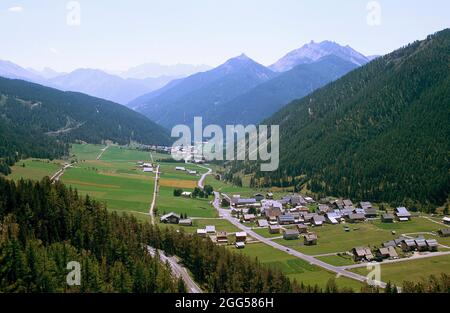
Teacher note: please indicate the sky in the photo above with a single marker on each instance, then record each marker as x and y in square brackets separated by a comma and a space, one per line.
[116, 35]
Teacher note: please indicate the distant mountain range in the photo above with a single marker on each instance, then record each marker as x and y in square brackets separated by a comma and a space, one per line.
[156, 70]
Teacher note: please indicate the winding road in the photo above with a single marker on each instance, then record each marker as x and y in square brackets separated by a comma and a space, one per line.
[201, 181]
[60, 172]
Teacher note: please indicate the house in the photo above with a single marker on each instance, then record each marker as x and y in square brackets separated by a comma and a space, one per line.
[171, 218]
[302, 209]
[310, 239]
[446, 220]
[333, 218]
[201, 233]
[274, 229]
[387, 218]
[222, 237]
[262, 223]
[180, 168]
[323, 209]
[347, 203]
[307, 217]
[272, 213]
[242, 202]
[241, 236]
[338, 204]
[421, 244]
[362, 253]
[249, 217]
[210, 229]
[186, 194]
[432, 244]
[297, 200]
[370, 212]
[365, 205]
[408, 245]
[402, 214]
[309, 200]
[390, 243]
[444, 232]
[302, 228]
[356, 217]
[269, 196]
[267, 204]
[185, 222]
[318, 220]
[240, 245]
[258, 197]
[290, 234]
[192, 172]
[147, 169]
[286, 219]
[387, 252]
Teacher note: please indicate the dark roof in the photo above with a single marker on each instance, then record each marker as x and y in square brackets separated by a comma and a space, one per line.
[291, 232]
[356, 216]
[388, 216]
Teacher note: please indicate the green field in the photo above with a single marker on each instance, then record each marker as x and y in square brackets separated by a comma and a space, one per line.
[337, 260]
[414, 270]
[34, 169]
[293, 267]
[85, 152]
[265, 233]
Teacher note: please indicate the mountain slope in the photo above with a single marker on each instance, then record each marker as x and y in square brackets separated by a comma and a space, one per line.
[14, 71]
[110, 87]
[156, 70]
[380, 133]
[314, 51]
[267, 98]
[201, 94]
[38, 121]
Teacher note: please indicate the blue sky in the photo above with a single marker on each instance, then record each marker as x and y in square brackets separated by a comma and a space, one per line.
[120, 34]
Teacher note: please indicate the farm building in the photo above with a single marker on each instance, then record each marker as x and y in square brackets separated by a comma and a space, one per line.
[309, 200]
[192, 172]
[307, 217]
[201, 233]
[290, 234]
[387, 218]
[274, 229]
[333, 218]
[365, 205]
[180, 168]
[240, 245]
[370, 212]
[387, 252]
[242, 202]
[186, 194]
[318, 220]
[310, 239]
[170, 218]
[262, 223]
[446, 220]
[362, 253]
[249, 217]
[222, 237]
[355, 217]
[286, 219]
[444, 232]
[147, 169]
[185, 222]
[402, 214]
[347, 202]
[408, 245]
[432, 244]
[302, 209]
[269, 196]
[210, 229]
[241, 236]
[421, 244]
[323, 209]
[302, 229]
[258, 197]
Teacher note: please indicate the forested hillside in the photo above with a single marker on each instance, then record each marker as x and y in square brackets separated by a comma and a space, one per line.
[37, 121]
[380, 133]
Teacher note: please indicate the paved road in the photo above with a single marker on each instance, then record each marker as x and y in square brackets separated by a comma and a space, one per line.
[155, 191]
[177, 270]
[310, 259]
[60, 172]
[202, 179]
[101, 152]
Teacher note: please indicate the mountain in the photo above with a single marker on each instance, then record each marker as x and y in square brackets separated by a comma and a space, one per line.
[380, 133]
[110, 87]
[37, 121]
[157, 70]
[314, 51]
[203, 93]
[265, 99]
[14, 71]
[46, 72]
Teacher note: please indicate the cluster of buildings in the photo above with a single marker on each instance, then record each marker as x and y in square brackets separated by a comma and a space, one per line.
[183, 169]
[173, 218]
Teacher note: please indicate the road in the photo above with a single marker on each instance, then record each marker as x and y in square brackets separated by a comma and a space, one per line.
[155, 192]
[60, 172]
[177, 270]
[203, 177]
[310, 259]
[101, 152]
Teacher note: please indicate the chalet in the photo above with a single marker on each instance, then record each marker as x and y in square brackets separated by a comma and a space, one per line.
[307, 217]
[286, 219]
[296, 216]
[262, 223]
[350, 208]
[302, 209]
[272, 213]
[347, 202]
[258, 197]
[370, 212]
[201, 233]
[408, 245]
[323, 209]
[242, 202]
[446, 220]
[362, 253]
[297, 200]
[274, 229]
[302, 228]
[387, 218]
[171, 218]
[338, 204]
[290, 234]
[421, 244]
[240, 245]
[387, 252]
[241, 236]
[402, 214]
[444, 232]
[222, 237]
[346, 212]
[186, 194]
[267, 204]
[333, 218]
[185, 222]
[249, 217]
[310, 239]
[355, 217]
[365, 205]
[390, 243]
[210, 229]
[432, 244]
[359, 211]
[318, 220]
